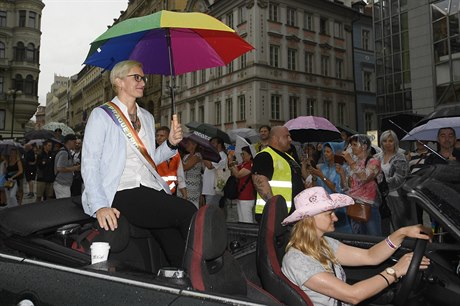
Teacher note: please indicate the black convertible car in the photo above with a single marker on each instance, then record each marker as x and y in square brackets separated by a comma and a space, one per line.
[45, 260]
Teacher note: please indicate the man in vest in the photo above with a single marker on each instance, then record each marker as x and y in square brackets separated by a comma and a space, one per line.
[276, 172]
[171, 170]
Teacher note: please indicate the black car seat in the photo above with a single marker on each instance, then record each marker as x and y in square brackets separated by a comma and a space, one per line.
[210, 265]
[271, 245]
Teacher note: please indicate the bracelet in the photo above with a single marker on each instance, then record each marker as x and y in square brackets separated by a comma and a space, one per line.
[386, 279]
[170, 145]
[324, 178]
[391, 244]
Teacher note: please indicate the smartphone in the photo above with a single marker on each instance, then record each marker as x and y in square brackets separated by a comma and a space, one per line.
[339, 159]
[313, 163]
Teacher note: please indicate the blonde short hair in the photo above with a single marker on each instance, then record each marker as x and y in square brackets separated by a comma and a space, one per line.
[387, 134]
[121, 70]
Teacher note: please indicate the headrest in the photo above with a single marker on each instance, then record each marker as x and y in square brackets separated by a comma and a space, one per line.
[210, 232]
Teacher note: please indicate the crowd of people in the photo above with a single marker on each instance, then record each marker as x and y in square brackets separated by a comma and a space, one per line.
[50, 168]
[129, 172]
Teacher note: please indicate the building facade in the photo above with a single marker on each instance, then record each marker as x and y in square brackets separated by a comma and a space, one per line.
[301, 65]
[416, 49]
[20, 23]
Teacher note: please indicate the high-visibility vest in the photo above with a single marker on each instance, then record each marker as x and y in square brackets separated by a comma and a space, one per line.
[281, 182]
[168, 171]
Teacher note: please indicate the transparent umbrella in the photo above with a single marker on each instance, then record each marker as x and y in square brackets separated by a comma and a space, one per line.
[52, 126]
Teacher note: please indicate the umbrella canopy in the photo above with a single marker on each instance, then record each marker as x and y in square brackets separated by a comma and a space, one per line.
[168, 43]
[429, 130]
[452, 110]
[208, 152]
[39, 134]
[209, 130]
[241, 143]
[346, 129]
[52, 126]
[250, 134]
[312, 129]
[7, 145]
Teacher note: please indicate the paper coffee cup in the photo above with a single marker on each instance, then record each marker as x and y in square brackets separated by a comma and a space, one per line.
[99, 252]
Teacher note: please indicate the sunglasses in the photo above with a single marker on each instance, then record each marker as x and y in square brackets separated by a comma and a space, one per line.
[138, 77]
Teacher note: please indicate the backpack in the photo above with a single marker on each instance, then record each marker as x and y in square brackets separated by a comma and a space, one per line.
[231, 188]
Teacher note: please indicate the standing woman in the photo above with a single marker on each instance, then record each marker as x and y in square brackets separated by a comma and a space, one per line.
[363, 170]
[192, 168]
[119, 159]
[14, 173]
[395, 167]
[332, 177]
[246, 192]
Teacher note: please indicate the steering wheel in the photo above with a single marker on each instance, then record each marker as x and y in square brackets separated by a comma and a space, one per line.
[409, 280]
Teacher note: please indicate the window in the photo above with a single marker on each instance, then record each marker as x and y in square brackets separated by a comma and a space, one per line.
[338, 29]
[194, 78]
[308, 22]
[192, 114]
[241, 107]
[275, 107]
[325, 65]
[20, 52]
[201, 113]
[243, 62]
[2, 119]
[327, 111]
[203, 76]
[338, 68]
[32, 20]
[230, 20]
[291, 19]
[368, 121]
[2, 85]
[22, 18]
[241, 14]
[229, 110]
[2, 50]
[323, 26]
[30, 51]
[341, 110]
[365, 39]
[367, 80]
[273, 12]
[230, 67]
[2, 19]
[293, 101]
[218, 112]
[274, 56]
[219, 71]
[311, 106]
[292, 59]
[309, 62]
[29, 85]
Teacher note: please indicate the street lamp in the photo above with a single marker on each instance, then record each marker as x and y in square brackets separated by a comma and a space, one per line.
[13, 93]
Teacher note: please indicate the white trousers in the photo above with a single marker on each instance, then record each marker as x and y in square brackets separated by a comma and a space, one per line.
[10, 194]
[245, 210]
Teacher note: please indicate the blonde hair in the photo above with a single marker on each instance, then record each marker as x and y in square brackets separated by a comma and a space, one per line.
[121, 70]
[305, 239]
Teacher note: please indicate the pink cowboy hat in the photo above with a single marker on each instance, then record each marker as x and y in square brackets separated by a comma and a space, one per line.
[315, 200]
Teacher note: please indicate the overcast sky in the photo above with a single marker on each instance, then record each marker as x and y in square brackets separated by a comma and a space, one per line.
[68, 27]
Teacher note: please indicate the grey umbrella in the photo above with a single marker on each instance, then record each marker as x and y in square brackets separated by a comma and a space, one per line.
[209, 130]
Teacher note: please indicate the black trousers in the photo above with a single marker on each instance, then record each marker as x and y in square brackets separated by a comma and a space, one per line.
[168, 216]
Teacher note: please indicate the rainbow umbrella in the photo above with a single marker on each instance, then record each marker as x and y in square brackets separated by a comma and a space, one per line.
[168, 43]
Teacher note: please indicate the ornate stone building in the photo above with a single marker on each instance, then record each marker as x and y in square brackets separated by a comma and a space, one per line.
[20, 23]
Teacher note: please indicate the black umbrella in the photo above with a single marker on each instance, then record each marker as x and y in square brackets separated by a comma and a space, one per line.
[209, 130]
[345, 128]
[39, 134]
[208, 152]
[451, 110]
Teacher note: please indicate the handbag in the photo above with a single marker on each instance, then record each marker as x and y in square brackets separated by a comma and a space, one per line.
[359, 212]
[9, 184]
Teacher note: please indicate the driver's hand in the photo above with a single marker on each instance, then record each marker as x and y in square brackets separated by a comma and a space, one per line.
[417, 231]
[403, 264]
[108, 218]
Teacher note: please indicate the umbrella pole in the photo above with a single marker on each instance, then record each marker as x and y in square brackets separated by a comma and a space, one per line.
[172, 78]
[426, 147]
